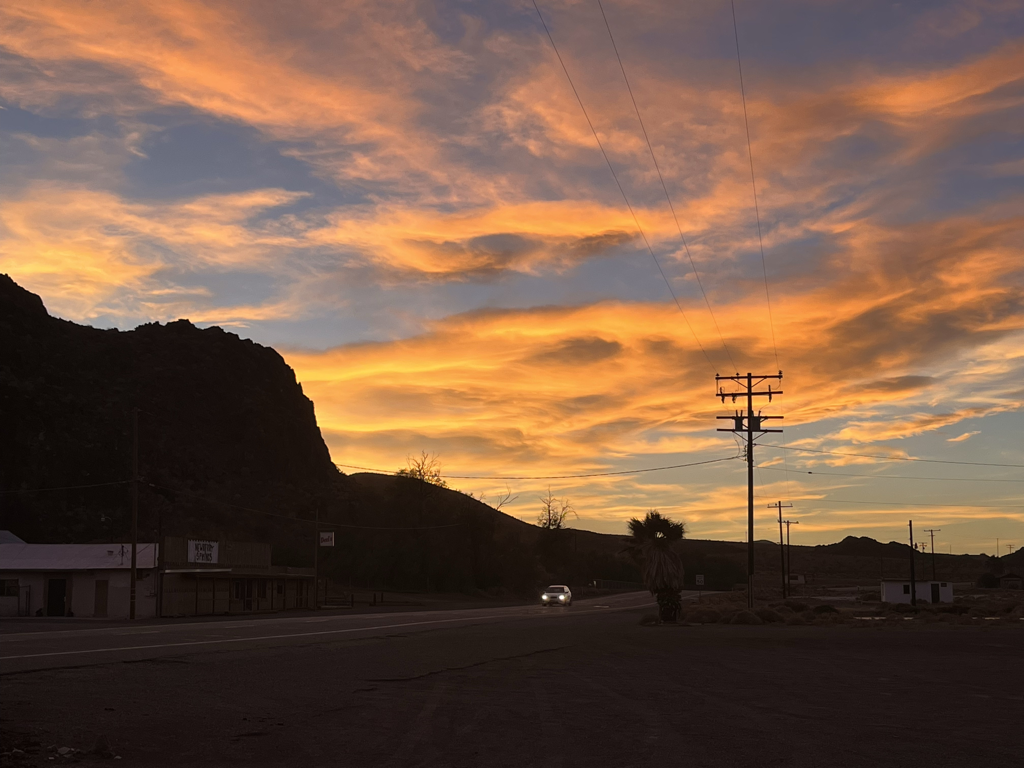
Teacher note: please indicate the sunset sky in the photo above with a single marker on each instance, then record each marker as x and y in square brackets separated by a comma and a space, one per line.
[406, 201]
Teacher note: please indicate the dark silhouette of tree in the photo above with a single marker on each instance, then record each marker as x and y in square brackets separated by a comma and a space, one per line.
[426, 468]
[654, 545]
[553, 512]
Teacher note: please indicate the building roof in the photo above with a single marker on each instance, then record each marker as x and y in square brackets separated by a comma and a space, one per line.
[6, 537]
[74, 557]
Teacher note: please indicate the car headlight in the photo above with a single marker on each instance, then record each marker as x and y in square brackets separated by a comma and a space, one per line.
[543, 597]
[561, 597]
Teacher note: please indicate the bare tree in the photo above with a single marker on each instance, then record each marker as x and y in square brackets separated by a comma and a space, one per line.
[503, 499]
[426, 468]
[554, 511]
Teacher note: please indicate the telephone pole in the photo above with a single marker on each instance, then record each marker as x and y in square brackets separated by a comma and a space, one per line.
[932, 532]
[135, 512]
[789, 552]
[913, 579]
[782, 545]
[316, 562]
[746, 425]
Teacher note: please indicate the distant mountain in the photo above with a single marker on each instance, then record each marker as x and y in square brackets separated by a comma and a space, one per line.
[229, 446]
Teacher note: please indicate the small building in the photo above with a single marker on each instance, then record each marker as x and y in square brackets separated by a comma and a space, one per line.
[898, 591]
[76, 580]
[1011, 581]
[185, 577]
[797, 578]
[203, 578]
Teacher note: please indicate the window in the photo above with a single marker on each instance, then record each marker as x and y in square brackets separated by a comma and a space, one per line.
[263, 589]
[9, 587]
[280, 587]
[906, 589]
[239, 592]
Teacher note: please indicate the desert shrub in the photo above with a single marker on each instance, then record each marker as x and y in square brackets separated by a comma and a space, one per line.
[768, 616]
[904, 608]
[746, 617]
[795, 620]
[870, 597]
[988, 581]
[726, 617]
[649, 620]
[956, 609]
[704, 616]
[824, 609]
[793, 605]
[784, 610]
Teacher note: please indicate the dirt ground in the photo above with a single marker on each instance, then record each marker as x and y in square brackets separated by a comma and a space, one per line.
[592, 690]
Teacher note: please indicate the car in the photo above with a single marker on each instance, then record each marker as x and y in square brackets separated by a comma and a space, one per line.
[556, 594]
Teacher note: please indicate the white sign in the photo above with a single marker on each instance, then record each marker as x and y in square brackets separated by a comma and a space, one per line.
[700, 579]
[202, 551]
[326, 538]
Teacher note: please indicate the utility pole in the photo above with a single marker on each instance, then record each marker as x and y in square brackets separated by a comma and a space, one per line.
[789, 552]
[782, 545]
[135, 512]
[746, 425]
[913, 579]
[932, 532]
[316, 562]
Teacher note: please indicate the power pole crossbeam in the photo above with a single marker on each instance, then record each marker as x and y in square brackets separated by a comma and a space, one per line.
[747, 425]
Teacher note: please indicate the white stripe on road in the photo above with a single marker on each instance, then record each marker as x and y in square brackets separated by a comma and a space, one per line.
[272, 637]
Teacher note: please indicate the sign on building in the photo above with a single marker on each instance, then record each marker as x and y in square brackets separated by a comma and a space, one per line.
[326, 538]
[203, 551]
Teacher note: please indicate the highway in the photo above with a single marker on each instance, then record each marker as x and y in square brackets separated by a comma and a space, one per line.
[513, 686]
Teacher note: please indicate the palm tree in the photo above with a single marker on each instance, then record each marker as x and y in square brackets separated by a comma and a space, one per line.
[653, 543]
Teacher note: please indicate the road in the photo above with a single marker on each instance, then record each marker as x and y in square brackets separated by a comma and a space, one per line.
[523, 686]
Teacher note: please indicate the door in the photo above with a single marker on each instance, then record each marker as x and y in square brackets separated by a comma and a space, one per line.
[56, 597]
[100, 610]
[248, 594]
[935, 593]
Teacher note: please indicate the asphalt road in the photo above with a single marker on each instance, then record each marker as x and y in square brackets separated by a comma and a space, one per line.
[525, 686]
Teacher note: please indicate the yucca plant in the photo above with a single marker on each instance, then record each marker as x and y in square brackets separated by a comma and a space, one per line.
[653, 543]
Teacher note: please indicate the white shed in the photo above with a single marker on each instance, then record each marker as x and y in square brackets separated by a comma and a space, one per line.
[85, 580]
[927, 591]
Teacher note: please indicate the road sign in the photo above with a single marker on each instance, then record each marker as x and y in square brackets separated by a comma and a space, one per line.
[700, 579]
[326, 538]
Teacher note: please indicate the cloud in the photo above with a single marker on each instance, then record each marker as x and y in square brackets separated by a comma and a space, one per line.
[964, 436]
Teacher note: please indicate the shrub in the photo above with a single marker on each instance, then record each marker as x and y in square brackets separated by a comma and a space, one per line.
[793, 605]
[824, 609]
[704, 616]
[795, 620]
[746, 617]
[768, 616]
[649, 620]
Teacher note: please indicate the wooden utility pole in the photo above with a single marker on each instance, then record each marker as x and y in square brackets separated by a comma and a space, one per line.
[913, 578]
[782, 544]
[135, 513]
[789, 552]
[316, 562]
[746, 425]
[932, 532]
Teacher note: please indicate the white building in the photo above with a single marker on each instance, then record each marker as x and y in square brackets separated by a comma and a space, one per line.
[898, 591]
[84, 580]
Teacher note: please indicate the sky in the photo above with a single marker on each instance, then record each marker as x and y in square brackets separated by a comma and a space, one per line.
[406, 200]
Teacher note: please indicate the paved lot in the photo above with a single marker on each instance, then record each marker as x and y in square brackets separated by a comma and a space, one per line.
[586, 686]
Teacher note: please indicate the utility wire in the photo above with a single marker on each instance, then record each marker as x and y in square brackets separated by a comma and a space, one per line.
[914, 504]
[753, 182]
[664, 186]
[619, 185]
[893, 458]
[67, 487]
[552, 477]
[903, 477]
[300, 519]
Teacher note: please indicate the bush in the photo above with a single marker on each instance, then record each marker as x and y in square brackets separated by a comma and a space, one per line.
[768, 616]
[988, 581]
[793, 605]
[795, 620]
[870, 597]
[726, 617]
[649, 620]
[704, 616]
[746, 617]
[824, 609]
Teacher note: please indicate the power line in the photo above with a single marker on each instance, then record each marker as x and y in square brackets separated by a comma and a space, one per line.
[67, 487]
[894, 458]
[619, 185]
[903, 477]
[753, 182]
[914, 504]
[664, 186]
[552, 477]
[302, 520]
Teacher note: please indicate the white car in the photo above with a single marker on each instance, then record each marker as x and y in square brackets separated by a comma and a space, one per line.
[556, 594]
